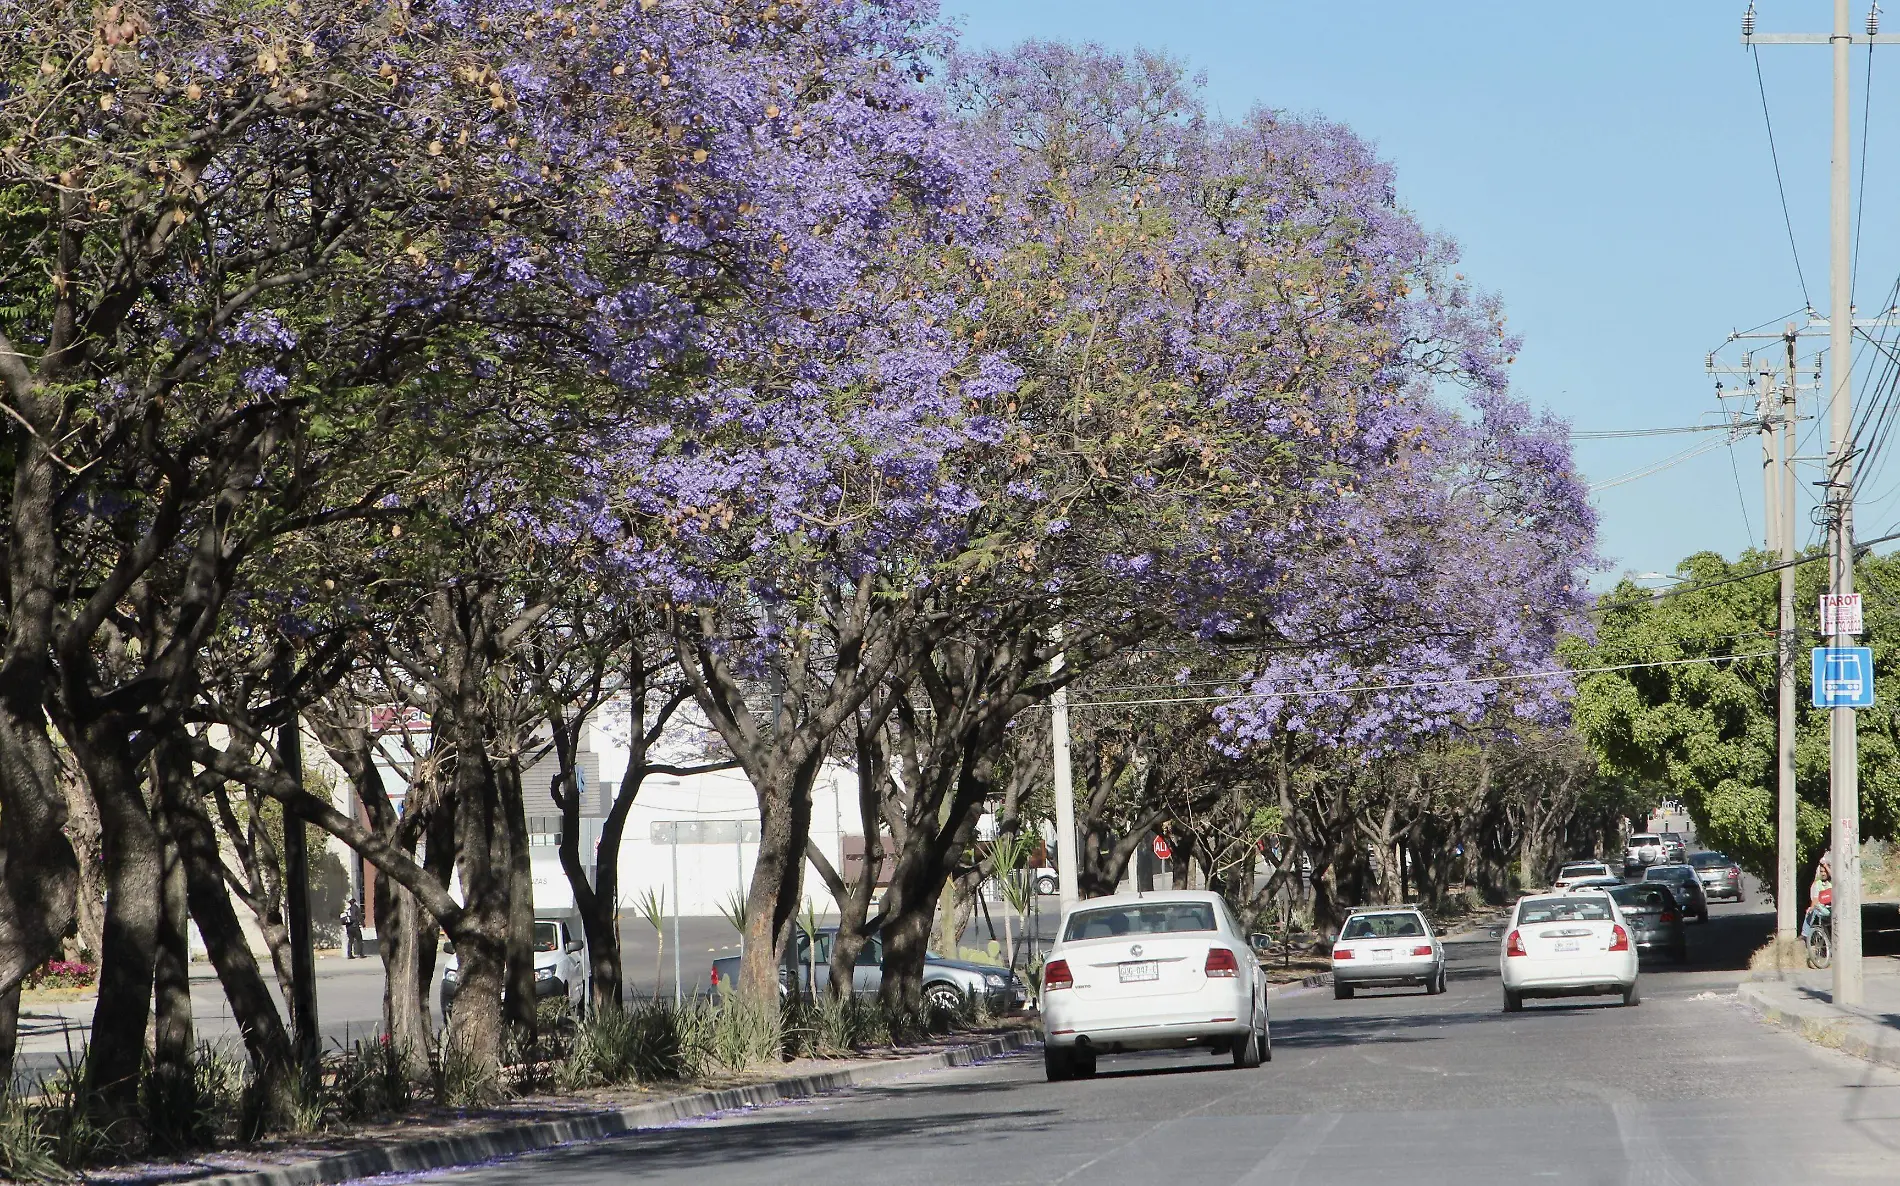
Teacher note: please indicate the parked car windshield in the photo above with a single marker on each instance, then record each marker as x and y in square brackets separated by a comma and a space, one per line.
[1591, 909]
[547, 936]
[1161, 918]
[1383, 926]
[1709, 860]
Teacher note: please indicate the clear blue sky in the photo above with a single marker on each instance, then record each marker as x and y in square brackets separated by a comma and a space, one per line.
[1604, 167]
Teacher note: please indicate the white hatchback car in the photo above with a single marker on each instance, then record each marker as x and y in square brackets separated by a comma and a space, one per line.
[1151, 972]
[1563, 945]
[1387, 947]
[1577, 871]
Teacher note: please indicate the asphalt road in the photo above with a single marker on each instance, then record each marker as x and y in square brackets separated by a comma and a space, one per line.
[1391, 1087]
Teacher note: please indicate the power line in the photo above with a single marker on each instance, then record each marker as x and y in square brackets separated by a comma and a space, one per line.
[1509, 677]
[1618, 434]
[1747, 524]
[1860, 199]
[1669, 462]
[1786, 218]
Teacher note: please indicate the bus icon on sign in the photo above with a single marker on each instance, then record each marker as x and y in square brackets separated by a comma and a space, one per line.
[1843, 677]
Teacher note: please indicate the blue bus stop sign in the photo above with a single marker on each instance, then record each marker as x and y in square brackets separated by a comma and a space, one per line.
[1843, 677]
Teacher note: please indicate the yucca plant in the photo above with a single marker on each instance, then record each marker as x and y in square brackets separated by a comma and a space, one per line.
[26, 1151]
[651, 906]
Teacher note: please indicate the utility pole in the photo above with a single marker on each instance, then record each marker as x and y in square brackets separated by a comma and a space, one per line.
[1064, 788]
[1843, 740]
[1787, 876]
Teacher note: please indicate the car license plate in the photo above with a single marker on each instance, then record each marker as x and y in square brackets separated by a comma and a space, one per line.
[1145, 970]
[1566, 945]
[1382, 955]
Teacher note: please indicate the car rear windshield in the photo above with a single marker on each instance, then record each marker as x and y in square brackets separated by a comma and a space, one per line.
[1641, 897]
[1670, 873]
[1591, 909]
[1383, 926]
[1636, 840]
[1708, 860]
[1161, 918]
[1582, 869]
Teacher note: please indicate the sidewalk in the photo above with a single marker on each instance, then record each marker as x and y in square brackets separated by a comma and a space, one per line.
[1803, 1001]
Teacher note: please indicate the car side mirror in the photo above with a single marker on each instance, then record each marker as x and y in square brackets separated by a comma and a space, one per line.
[573, 946]
[448, 948]
[1261, 944]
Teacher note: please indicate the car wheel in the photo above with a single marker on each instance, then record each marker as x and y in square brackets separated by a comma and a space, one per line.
[1632, 995]
[1702, 915]
[1247, 1051]
[1058, 1064]
[1441, 981]
[1680, 953]
[1342, 992]
[942, 997]
[1513, 1002]
[1084, 1063]
[1046, 885]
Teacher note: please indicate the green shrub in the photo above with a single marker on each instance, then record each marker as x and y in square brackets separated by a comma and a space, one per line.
[26, 1151]
[644, 1044]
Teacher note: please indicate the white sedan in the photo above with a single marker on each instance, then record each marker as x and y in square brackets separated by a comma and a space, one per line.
[1151, 972]
[1384, 948]
[1574, 944]
[1577, 871]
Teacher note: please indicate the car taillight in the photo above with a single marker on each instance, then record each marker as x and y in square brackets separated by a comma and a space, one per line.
[1342, 953]
[1734, 874]
[1422, 950]
[1667, 916]
[1056, 975]
[1621, 939]
[1221, 962]
[715, 977]
[1514, 945]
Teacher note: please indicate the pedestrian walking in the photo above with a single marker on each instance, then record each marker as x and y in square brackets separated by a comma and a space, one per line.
[352, 921]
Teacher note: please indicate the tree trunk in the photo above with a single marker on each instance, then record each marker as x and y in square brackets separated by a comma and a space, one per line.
[262, 1028]
[170, 1094]
[134, 867]
[83, 828]
[39, 874]
[777, 889]
[518, 1002]
[9, 1031]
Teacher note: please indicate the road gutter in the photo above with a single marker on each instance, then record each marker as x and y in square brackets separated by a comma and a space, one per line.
[473, 1148]
[1821, 1023]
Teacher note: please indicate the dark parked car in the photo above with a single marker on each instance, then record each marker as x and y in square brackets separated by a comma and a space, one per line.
[1721, 877]
[1655, 919]
[1683, 882]
[948, 983]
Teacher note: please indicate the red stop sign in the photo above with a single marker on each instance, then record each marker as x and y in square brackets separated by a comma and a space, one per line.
[1163, 850]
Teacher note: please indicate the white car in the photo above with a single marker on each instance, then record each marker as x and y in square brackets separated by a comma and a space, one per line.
[1564, 945]
[560, 967]
[1387, 947]
[1151, 972]
[1578, 870]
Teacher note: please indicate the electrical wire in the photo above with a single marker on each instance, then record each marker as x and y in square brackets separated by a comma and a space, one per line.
[1509, 677]
[1786, 218]
[1860, 198]
[1624, 433]
[1747, 524]
[1669, 462]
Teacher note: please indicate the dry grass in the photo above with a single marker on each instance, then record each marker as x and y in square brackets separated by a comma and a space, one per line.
[1779, 955]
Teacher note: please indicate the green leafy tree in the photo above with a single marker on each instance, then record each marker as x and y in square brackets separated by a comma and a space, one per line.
[1698, 723]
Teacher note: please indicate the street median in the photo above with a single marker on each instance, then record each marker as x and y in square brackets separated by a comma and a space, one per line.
[470, 1148]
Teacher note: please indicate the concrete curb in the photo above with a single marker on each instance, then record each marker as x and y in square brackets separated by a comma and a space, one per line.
[472, 1148]
[1824, 1025]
